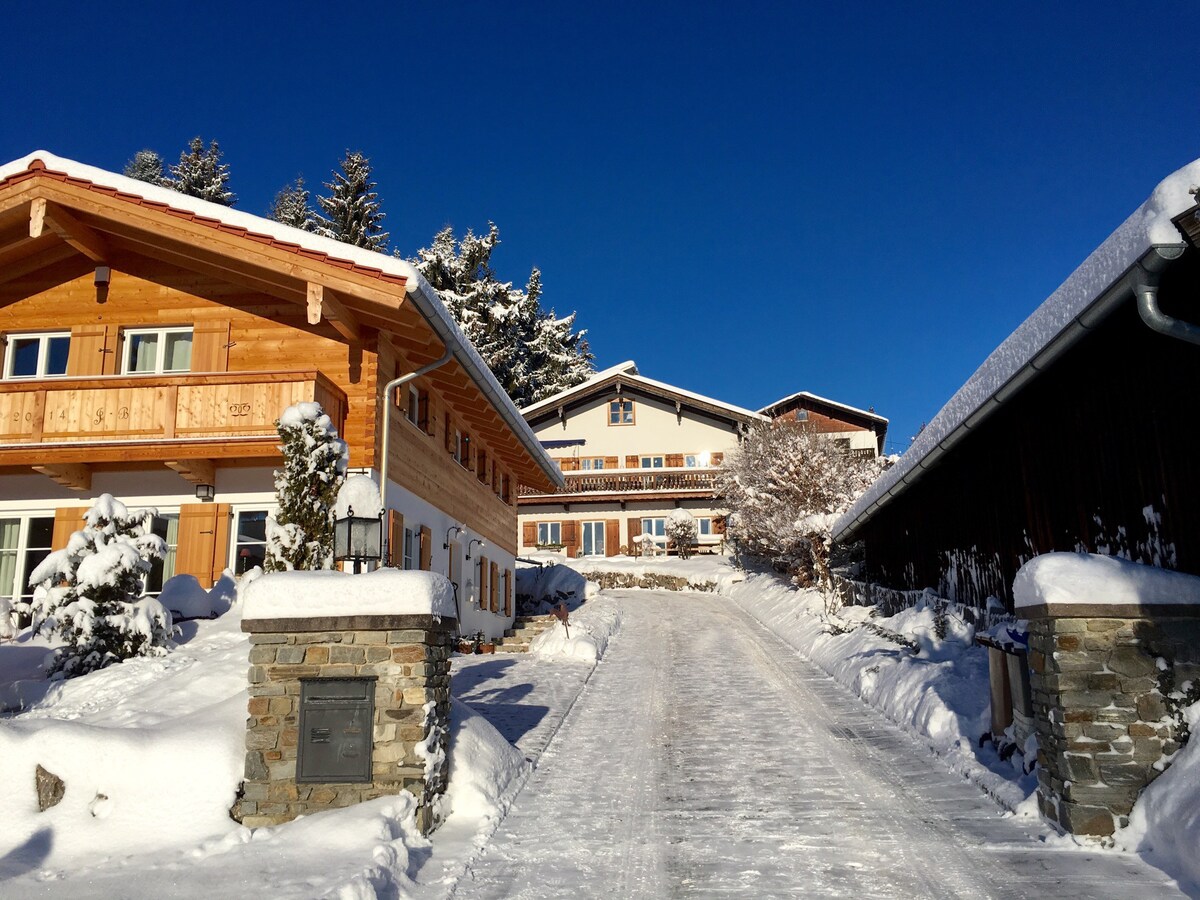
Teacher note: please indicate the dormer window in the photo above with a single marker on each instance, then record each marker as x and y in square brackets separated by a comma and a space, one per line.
[157, 350]
[620, 412]
[37, 355]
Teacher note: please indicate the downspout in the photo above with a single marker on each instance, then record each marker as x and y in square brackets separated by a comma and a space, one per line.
[1146, 279]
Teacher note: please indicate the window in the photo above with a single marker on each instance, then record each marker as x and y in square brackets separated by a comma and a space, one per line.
[596, 462]
[802, 415]
[481, 466]
[37, 355]
[410, 548]
[166, 526]
[697, 460]
[506, 488]
[24, 543]
[652, 462]
[413, 414]
[704, 527]
[656, 528]
[464, 450]
[593, 538]
[620, 412]
[250, 540]
[550, 533]
[150, 350]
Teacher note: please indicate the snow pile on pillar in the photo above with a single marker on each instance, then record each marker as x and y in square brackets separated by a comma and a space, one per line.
[294, 595]
[1065, 578]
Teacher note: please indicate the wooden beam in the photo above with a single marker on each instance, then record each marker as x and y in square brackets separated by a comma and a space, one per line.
[322, 303]
[37, 217]
[76, 476]
[56, 253]
[194, 471]
[84, 239]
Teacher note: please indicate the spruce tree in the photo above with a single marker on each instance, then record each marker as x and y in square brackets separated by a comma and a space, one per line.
[200, 173]
[90, 592]
[351, 211]
[314, 467]
[532, 353]
[147, 166]
[291, 207]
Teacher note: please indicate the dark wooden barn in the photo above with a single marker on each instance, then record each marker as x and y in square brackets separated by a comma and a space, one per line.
[1078, 433]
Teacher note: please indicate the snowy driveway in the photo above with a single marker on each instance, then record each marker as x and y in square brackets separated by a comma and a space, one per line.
[705, 758]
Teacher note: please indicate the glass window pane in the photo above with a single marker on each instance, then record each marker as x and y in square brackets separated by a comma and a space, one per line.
[57, 349]
[178, 352]
[252, 526]
[249, 556]
[10, 529]
[24, 354]
[143, 352]
[41, 531]
[658, 462]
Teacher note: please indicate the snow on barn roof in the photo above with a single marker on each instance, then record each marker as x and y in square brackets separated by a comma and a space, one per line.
[328, 250]
[807, 395]
[1035, 341]
[628, 373]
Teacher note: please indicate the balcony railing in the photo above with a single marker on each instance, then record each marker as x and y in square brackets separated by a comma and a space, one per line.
[659, 480]
[154, 408]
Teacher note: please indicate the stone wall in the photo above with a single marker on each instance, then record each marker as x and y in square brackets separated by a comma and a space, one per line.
[408, 655]
[1102, 724]
[654, 581]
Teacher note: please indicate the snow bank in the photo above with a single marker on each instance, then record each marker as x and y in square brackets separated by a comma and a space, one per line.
[590, 628]
[703, 572]
[1066, 578]
[183, 596]
[1165, 822]
[360, 493]
[286, 595]
[483, 766]
[548, 586]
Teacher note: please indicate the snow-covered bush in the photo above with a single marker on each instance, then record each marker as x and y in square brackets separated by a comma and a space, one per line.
[300, 536]
[682, 532]
[8, 624]
[90, 592]
[786, 486]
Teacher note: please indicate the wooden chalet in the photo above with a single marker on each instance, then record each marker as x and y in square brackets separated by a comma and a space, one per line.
[862, 432]
[149, 341]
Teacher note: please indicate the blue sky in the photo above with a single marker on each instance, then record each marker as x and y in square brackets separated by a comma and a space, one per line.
[748, 199]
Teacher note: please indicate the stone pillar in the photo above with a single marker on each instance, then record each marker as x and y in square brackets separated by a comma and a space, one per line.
[1102, 724]
[409, 658]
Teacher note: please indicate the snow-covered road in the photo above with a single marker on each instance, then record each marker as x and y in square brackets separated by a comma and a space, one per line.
[705, 758]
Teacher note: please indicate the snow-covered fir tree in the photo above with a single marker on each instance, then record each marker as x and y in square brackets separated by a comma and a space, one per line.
[200, 173]
[147, 166]
[532, 353]
[351, 212]
[682, 531]
[291, 207]
[785, 486]
[90, 592]
[300, 536]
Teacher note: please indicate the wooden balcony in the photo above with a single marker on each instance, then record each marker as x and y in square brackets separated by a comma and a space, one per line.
[134, 418]
[650, 481]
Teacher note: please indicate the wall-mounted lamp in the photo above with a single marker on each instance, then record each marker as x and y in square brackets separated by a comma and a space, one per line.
[103, 276]
[206, 492]
[474, 541]
[453, 529]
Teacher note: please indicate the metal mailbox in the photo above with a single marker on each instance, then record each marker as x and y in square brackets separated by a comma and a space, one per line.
[336, 729]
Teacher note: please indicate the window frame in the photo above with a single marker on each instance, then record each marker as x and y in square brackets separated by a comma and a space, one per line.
[21, 591]
[43, 358]
[657, 537]
[236, 514]
[410, 559]
[160, 351]
[701, 522]
[549, 541]
[621, 412]
[657, 461]
[169, 558]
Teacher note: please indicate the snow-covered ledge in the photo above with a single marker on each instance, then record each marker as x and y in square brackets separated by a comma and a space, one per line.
[349, 691]
[1108, 641]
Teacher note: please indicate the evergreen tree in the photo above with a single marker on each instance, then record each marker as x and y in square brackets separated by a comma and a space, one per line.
[314, 467]
[532, 353]
[351, 211]
[90, 592]
[200, 173]
[147, 166]
[291, 207]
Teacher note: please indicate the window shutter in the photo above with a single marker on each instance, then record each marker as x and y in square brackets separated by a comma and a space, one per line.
[569, 464]
[632, 462]
[717, 458]
[423, 411]
[210, 346]
[449, 435]
[426, 549]
[482, 586]
[570, 538]
[86, 354]
[508, 584]
[718, 524]
[529, 534]
[203, 548]
[635, 528]
[674, 459]
[395, 538]
[493, 592]
[612, 462]
[67, 521]
[612, 536]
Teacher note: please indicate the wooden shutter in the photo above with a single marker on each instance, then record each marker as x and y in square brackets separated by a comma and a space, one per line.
[568, 464]
[67, 521]
[612, 536]
[210, 346]
[717, 458]
[508, 580]
[449, 435]
[635, 528]
[426, 549]
[493, 592]
[529, 534]
[423, 411]
[483, 576]
[632, 462]
[86, 355]
[570, 538]
[674, 459]
[395, 530]
[203, 541]
[612, 462]
[718, 524]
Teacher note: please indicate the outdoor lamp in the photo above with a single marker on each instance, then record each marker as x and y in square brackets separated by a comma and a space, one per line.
[474, 541]
[452, 530]
[205, 492]
[358, 538]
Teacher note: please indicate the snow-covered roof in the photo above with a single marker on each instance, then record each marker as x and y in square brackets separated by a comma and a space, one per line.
[1035, 341]
[628, 374]
[391, 268]
[806, 395]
